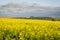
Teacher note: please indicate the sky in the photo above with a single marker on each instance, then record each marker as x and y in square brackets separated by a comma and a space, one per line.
[29, 7]
[43, 2]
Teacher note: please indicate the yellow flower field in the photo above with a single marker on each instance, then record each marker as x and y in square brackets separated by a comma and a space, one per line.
[28, 29]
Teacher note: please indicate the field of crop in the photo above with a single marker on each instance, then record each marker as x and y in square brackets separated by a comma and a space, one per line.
[24, 29]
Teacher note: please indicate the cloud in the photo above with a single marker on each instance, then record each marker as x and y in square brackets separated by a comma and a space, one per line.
[25, 8]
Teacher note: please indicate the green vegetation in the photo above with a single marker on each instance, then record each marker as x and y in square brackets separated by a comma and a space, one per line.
[40, 18]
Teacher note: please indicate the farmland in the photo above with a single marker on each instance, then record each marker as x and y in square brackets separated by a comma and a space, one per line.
[29, 29]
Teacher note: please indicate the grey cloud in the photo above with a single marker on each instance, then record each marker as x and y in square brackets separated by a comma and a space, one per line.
[27, 8]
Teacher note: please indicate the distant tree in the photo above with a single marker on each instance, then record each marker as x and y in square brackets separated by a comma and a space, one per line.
[31, 16]
[53, 20]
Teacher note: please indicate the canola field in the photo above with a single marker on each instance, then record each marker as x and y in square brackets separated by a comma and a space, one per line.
[28, 29]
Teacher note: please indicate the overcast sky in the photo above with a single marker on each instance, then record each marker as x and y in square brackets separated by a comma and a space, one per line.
[29, 7]
[43, 2]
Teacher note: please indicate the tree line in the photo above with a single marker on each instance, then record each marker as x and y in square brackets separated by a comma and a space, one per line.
[39, 18]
